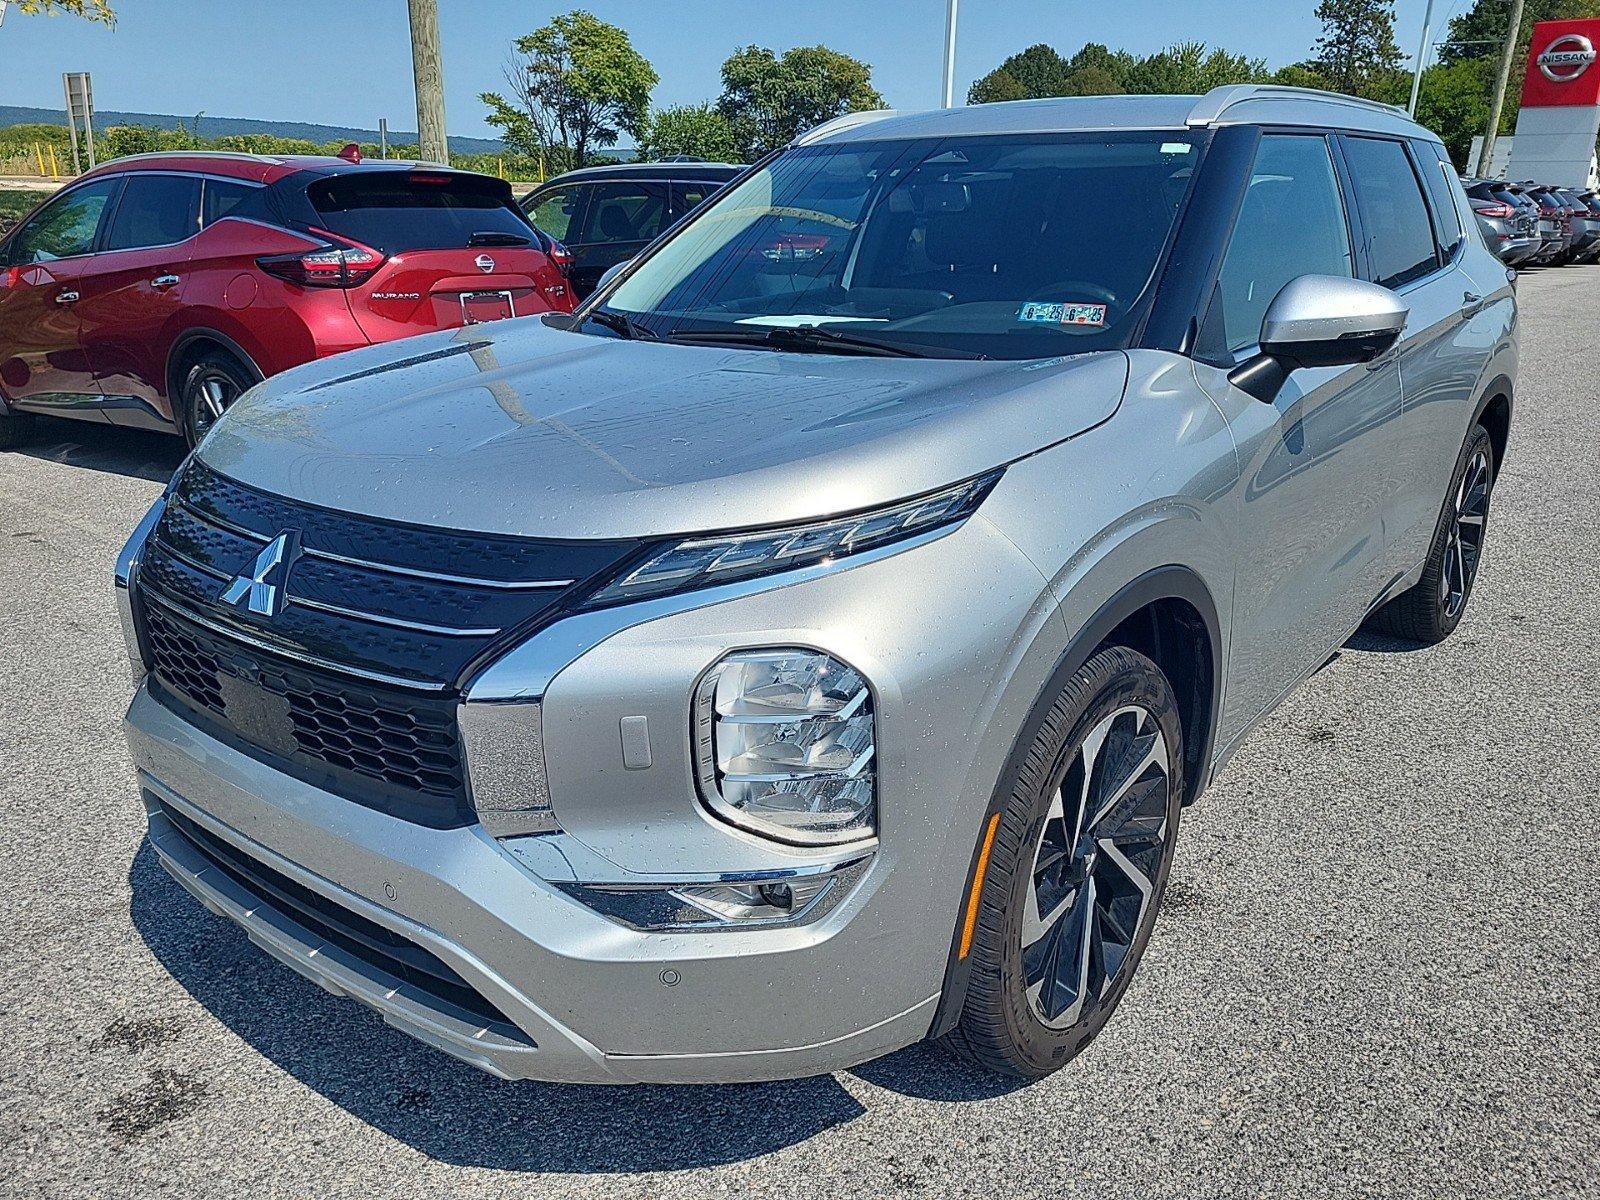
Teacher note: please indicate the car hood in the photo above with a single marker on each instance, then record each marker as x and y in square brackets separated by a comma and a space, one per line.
[523, 429]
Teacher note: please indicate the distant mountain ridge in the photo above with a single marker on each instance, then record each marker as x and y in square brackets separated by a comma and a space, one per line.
[13, 114]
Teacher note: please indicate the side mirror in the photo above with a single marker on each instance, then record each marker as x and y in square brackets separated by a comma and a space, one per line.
[611, 273]
[1320, 321]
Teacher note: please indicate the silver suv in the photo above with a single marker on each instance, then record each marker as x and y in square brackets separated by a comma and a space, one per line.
[810, 645]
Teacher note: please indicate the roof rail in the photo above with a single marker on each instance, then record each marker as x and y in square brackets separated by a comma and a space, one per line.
[1213, 104]
[840, 124]
[230, 154]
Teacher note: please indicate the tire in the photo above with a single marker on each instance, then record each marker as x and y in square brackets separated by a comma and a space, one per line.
[1430, 611]
[15, 429]
[212, 383]
[1033, 1000]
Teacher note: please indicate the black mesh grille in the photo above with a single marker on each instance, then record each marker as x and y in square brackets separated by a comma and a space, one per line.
[353, 676]
[390, 748]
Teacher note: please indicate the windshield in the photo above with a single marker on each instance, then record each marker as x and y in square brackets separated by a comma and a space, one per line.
[1001, 247]
[395, 211]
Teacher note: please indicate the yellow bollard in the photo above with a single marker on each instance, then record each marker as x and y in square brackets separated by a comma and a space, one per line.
[55, 171]
[38, 155]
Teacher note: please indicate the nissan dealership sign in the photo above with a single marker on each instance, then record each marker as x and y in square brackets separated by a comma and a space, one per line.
[1564, 59]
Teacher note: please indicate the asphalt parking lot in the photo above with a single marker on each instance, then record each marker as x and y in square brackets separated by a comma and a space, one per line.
[1378, 973]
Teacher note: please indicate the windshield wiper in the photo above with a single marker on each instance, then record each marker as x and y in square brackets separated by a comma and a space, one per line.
[806, 339]
[496, 238]
[623, 326]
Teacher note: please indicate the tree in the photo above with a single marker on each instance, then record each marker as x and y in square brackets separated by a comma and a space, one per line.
[697, 130]
[1454, 103]
[1039, 71]
[89, 10]
[1357, 53]
[576, 83]
[1302, 75]
[1187, 68]
[998, 86]
[767, 100]
[1479, 32]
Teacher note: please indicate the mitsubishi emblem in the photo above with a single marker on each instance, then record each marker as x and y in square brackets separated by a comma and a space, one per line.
[261, 591]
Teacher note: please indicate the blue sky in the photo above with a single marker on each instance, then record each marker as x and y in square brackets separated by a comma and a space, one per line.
[347, 61]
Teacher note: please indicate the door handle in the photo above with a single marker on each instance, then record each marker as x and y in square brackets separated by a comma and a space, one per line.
[164, 281]
[66, 297]
[1471, 302]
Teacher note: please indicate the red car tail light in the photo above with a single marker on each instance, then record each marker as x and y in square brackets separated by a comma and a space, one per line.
[342, 263]
[1494, 210]
[561, 257]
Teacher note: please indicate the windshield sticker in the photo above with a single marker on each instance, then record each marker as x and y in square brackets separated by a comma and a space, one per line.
[1052, 312]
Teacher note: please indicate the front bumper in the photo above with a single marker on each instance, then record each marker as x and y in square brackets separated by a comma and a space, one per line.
[588, 999]
[508, 935]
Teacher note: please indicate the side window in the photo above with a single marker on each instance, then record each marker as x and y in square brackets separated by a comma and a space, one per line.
[555, 210]
[1394, 217]
[623, 212]
[155, 210]
[64, 227]
[221, 198]
[1440, 177]
[1292, 223]
[686, 197]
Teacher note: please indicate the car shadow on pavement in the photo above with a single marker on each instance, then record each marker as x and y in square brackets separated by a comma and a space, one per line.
[450, 1111]
[138, 453]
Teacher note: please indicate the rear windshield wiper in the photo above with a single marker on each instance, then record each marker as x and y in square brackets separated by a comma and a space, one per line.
[803, 338]
[623, 326]
[496, 238]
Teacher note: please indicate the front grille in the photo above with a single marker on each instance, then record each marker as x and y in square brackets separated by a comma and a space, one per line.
[367, 941]
[394, 749]
[354, 681]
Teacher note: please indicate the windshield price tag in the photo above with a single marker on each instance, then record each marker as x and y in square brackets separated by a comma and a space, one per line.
[1051, 312]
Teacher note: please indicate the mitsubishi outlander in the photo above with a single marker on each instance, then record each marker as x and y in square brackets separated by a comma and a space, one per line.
[785, 658]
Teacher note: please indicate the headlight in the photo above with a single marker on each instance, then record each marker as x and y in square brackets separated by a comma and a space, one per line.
[785, 745]
[708, 561]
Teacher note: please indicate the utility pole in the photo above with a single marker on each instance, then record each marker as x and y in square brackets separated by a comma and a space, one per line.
[950, 56]
[428, 72]
[1422, 59]
[1513, 29]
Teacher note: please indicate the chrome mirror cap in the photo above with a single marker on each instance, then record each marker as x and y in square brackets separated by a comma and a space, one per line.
[1320, 314]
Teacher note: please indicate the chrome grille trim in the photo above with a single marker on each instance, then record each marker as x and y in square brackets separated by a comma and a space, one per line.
[322, 664]
[391, 622]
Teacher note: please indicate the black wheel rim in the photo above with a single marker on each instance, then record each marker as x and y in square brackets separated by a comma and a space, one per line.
[1464, 541]
[210, 393]
[1095, 867]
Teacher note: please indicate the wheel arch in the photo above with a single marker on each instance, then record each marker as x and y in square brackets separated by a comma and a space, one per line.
[1494, 414]
[1157, 610]
[196, 341]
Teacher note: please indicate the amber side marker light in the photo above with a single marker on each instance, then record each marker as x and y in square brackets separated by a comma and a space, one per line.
[977, 886]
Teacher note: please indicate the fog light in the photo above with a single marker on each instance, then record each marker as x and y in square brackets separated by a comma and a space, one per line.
[785, 745]
[735, 902]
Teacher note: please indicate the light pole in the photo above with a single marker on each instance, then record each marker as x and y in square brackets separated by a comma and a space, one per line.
[1422, 59]
[950, 56]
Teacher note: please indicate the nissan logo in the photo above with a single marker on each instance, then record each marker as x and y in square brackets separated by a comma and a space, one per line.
[1566, 58]
[486, 264]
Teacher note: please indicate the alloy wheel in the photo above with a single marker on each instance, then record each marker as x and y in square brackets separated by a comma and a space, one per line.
[1094, 869]
[1464, 541]
[211, 392]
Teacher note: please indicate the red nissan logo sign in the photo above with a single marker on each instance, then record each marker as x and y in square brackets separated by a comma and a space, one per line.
[1564, 59]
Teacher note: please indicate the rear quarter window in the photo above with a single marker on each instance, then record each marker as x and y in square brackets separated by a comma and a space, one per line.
[398, 211]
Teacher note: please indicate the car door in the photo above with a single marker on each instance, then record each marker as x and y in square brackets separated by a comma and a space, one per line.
[1416, 241]
[1317, 472]
[42, 361]
[131, 296]
[619, 219]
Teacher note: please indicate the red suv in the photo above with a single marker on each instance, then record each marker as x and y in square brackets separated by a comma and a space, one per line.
[152, 291]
